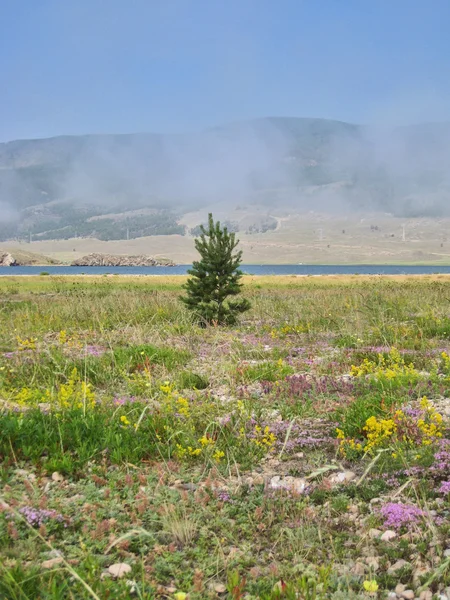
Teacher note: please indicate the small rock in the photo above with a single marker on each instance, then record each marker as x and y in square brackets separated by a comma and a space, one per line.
[258, 479]
[375, 501]
[373, 563]
[374, 533]
[119, 570]
[57, 476]
[343, 477]
[105, 575]
[426, 595]
[54, 553]
[190, 487]
[22, 473]
[220, 588]
[52, 562]
[447, 552]
[388, 535]
[392, 596]
[400, 589]
[418, 573]
[400, 564]
[358, 569]
[408, 595]
[296, 485]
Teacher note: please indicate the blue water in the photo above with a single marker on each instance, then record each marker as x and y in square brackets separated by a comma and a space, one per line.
[249, 269]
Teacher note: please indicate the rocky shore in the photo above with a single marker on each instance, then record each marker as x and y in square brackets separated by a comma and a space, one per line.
[22, 258]
[7, 260]
[110, 260]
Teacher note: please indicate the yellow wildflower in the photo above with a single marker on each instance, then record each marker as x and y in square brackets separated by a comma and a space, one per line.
[370, 586]
[206, 441]
[218, 455]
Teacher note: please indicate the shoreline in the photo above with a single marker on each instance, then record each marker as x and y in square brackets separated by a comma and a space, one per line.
[246, 279]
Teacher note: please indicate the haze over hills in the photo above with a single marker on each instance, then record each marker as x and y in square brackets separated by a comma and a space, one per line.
[134, 185]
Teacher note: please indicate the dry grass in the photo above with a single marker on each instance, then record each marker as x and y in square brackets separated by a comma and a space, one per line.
[307, 239]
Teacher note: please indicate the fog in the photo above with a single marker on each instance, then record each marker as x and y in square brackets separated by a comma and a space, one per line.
[219, 71]
[282, 163]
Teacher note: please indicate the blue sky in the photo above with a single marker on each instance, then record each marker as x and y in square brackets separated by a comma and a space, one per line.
[113, 66]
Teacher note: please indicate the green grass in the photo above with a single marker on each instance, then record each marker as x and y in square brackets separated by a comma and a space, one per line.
[155, 443]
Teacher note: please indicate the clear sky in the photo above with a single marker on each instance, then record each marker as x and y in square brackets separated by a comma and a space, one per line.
[114, 66]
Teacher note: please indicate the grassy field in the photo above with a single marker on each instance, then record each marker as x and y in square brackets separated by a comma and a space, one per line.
[302, 454]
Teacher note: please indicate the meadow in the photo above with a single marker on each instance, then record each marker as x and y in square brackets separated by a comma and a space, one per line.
[304, 453]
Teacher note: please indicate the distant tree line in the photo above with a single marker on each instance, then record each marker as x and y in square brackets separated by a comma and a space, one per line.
[163, 223]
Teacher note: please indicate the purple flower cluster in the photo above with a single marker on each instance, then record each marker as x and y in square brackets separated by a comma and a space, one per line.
[298, 386]
[124, 400]
[224, 497]
[397, 515]
[39, 516]
[305, 435]
[445, 487]
[223, 421]
[94, 350]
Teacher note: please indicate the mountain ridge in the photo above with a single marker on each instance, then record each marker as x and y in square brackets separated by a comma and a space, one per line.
[57, 184]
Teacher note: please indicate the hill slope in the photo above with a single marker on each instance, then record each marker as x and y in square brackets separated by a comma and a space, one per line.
[52, 188]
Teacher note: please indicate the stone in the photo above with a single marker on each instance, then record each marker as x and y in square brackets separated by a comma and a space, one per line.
[131, 586]
[22, 473]
[374, 533]
[358, 569]
[419, 572]
[220, 588]
[57, 476]
[52, 562]
[119, 570]
[407, 595]
[296, 485]
[447, 552]
[7, 260]
[426, 595]
[110, 260]
[400, 589]
[373, 563]
[400, 564]
[388, 535]
[258, 479]
[105, 575]
[342, 477]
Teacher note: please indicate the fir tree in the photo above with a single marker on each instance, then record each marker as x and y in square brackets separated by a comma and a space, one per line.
[215, 277]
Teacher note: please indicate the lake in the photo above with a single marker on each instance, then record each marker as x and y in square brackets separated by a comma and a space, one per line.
[248, 269]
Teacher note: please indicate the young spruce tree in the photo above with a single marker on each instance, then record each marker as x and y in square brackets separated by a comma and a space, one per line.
[215, 277]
